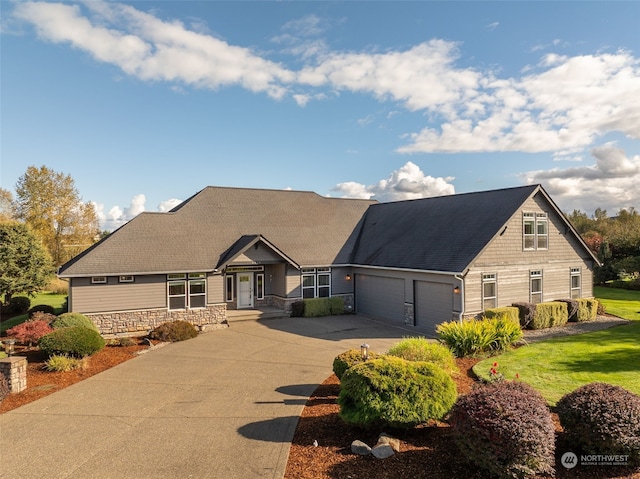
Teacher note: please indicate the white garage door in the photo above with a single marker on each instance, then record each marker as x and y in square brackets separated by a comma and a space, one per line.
[433, 304]
[380, 297]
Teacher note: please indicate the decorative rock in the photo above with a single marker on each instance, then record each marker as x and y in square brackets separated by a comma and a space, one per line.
[360, 448]
[382, 451]
[391, 441]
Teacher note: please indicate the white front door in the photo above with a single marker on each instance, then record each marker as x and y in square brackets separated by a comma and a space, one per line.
[245, 290]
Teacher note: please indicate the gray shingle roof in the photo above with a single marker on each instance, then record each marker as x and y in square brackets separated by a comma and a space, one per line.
[309, 228]
[443, 233]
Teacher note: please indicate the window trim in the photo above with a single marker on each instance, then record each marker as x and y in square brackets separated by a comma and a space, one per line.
[98, 280]
[536, 275]
[316, 274]
[535, 238]
[229, 291]
[187, 280]
[126, 279]
[259, 287]
[575, 273]
[490, 278]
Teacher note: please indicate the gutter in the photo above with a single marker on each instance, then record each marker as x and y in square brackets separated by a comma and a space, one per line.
[461, 279]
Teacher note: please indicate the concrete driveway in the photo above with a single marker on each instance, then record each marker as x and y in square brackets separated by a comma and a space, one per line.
[222, 405]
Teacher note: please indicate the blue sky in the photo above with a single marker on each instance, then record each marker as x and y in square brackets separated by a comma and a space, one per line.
[145, 103]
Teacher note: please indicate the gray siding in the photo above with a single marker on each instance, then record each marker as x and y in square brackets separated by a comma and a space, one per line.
[257, 254]
[339, 282]
[505, 256]
[293, 283]
[215, 288]
[146, 292]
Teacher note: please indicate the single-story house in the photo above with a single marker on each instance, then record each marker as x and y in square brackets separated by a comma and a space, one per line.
[415, 263]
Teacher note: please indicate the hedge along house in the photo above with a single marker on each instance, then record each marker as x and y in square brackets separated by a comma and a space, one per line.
[414, 263]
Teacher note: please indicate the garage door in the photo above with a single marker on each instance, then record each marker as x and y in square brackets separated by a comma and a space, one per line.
[380, 297]
[433, 304]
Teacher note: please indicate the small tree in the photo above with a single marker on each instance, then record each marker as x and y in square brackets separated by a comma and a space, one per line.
[26, 266]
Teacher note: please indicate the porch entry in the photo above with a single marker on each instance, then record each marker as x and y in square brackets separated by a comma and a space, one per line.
[245, 290]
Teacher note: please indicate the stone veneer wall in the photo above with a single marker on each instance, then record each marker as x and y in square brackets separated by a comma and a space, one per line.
[14, 369]
[133, 323]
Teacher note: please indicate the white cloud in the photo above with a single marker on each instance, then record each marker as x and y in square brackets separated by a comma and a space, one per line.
[116, 216]
[406, 183]
[610, 183]
[168, 205]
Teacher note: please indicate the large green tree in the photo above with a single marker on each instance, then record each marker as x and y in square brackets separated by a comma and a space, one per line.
[49, 202]
[6, 206]
[26, 265]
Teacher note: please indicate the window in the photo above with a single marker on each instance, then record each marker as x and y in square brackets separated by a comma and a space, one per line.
[229, 288]
[316, 282]
[187, 291]
[489, 291]
[535, 232]
[260, 286]
[98, 280]
[535, 291]
[576, 283]
[126, 279]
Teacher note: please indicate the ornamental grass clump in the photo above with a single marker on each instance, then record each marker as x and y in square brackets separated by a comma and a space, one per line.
[421, 349]
[64, 363]
[505, 429]
[600, 418]
[392, 392]
[174, 331]
[76, 341]
[472, 337]
[349, 358]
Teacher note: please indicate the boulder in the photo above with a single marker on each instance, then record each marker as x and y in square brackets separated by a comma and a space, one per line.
[360, 448]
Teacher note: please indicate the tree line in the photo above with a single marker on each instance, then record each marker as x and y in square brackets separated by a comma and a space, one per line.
[44, 226]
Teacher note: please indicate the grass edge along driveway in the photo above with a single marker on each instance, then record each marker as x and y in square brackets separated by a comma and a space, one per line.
[560, 365]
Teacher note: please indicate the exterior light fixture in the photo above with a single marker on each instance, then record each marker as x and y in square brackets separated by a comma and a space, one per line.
[364, 351]
[348, 277]
[9, 345]
[456, 290]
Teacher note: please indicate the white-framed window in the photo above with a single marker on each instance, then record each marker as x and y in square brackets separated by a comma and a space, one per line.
[535, 289]
[489, 291]
[576, 283]
[126, 279]
[535, 231]
[98, 280]
[187, 291]
[260, 286]
[316, 282]
[229, 287]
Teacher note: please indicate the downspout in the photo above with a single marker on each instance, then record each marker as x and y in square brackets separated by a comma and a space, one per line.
[461, 279]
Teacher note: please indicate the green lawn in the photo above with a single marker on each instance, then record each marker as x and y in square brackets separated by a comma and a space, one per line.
[620, 302]
[54, 300]
[561, 365]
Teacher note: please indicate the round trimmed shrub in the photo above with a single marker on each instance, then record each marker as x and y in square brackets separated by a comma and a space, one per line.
[76, 341]
[390, 391]
[344, 361]
[41, 308]
[420, 349]
[174, 331]
[505, 428]
[68, 320]
[18, 305]
[600, 418]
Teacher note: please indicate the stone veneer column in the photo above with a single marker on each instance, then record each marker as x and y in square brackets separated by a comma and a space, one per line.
[15, 370]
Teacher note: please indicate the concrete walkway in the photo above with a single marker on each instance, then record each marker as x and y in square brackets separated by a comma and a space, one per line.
[222, 405]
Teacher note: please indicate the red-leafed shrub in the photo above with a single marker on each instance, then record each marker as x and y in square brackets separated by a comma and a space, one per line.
[29, 332]
[505, 428]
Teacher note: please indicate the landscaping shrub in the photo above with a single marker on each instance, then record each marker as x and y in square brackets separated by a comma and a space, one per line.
[18, 305]
[30, 332]
[297, 309]
[601, 309]
[41, 308]
[336, 305]
[174, 331]
[505, 428]
[420, 349]
[510, 312]
[527, 312]
[392, 392]
[63, 363]
[316, 307]
[68, 320]
[344, 361]
[41, 316]
[588, 309]
[601, 418]
[76, 341]
[471, 337]
[549, 315]
[4, 387]
[572, 308]
[121, 342]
